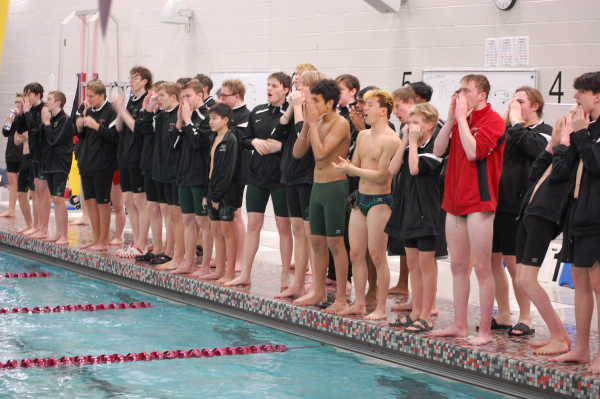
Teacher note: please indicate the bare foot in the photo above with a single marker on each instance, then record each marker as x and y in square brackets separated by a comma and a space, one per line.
[115, 241]
[62, 241]
[99, 248]
[310, 300]
[213, 262]
[184, 269]
[239, 266]
[200, 272]
[213, 276]
[7, 214]
[88, 245]
[336, 307]
[553, 348]
[544, 342]
[572, 357]
[223, 280]
[398, 291]
[481, 339]
[285, 282]
[292, 292]
[354, 309]
[376, 315]
[403, 307]
[24, 229]
[452, 331]
[40, 235]
[52, 239]
[240, 280]
[80, 222]
[309, 293]
[31, 231]
[172, 265]
[150, 247]
[594, 368]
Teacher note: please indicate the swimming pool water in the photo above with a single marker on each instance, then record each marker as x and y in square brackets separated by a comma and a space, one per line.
[319, 372]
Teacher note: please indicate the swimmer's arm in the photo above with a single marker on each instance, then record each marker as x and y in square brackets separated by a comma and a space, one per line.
[413, 159]
[338, 133]
[396, 162]
[443, 139]
[302, 144]
[355, 162]
[467, 139]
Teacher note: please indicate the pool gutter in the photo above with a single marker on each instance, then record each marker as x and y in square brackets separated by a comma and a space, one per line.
[507, 376]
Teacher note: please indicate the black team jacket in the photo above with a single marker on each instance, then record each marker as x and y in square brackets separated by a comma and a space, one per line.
[193, 142]
[31, 121]
[164, 161]
[417, 206]
[523, 145]
[131, 142]
[223, 182]
[547, 201]
[239, 123]
[14, 153]
[585, 146]
[146, 120]
[58, 151]
[294, 171]
[265, 171]
[97, 150]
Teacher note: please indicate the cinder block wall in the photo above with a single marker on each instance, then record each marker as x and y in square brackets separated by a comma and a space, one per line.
[338, 36]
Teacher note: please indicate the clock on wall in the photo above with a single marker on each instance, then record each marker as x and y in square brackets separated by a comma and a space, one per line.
[505, 4]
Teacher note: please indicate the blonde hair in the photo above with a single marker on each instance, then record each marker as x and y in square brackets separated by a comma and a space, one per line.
[305, 66]
[236, 86]
[97, 87]
[311, 77]
[384, 98]
[427, 111]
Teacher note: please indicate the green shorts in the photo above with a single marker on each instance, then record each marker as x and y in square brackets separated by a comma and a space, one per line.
[190, 200]
[327, 208]
[223, 214]
[257, 199]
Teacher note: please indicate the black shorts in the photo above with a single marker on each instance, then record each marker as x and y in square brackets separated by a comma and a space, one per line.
[25, 181]
[505, 234]
[57, 182]
[223, 214]
[97, 187]
[151, 189]
[13, 167]
[172, 193]
[131, 180]
[161, 192]
[585, 250]
[240, 196]
[298, 200]
[441, 246]
[423, 244]
[533, 239]
[35, 169]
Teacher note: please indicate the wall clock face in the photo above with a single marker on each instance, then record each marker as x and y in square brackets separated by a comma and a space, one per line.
[505, 4]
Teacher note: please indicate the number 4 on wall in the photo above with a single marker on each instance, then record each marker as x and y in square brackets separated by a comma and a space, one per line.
[558, 93]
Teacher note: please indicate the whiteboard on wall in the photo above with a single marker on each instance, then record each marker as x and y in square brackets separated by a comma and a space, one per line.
[503, 82]
[256, 85]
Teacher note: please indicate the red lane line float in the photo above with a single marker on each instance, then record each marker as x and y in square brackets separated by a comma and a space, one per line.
[24, 275]
[77, 308]
[142, 356]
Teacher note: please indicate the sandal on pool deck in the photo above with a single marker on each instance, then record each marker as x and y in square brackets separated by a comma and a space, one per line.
[398, 323]
[147, 257]
[161, 259]
[496, 326]
[524, 328]
[423, 327]
[199, 250]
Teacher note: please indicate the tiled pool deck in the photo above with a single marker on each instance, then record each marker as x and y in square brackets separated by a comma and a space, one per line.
[510, 359]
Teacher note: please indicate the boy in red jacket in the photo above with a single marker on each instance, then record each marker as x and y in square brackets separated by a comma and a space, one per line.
[471, 196]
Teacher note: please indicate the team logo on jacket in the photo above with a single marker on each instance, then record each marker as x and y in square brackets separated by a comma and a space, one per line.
[101, 122]
[474, 131]
[55, 124]
[223, 148]
[134, 113]
[171, 127]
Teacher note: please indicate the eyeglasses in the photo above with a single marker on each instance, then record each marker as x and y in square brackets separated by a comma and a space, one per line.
[225, 95]
[135, 77]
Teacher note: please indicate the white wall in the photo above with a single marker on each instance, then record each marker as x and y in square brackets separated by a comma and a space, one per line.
[338, 36]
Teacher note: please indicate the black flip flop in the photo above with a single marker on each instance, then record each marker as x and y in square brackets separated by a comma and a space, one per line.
[524, 328]
[199, 250]
[496, 326]
[324, 305]
[147, 257]
[161, 259]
